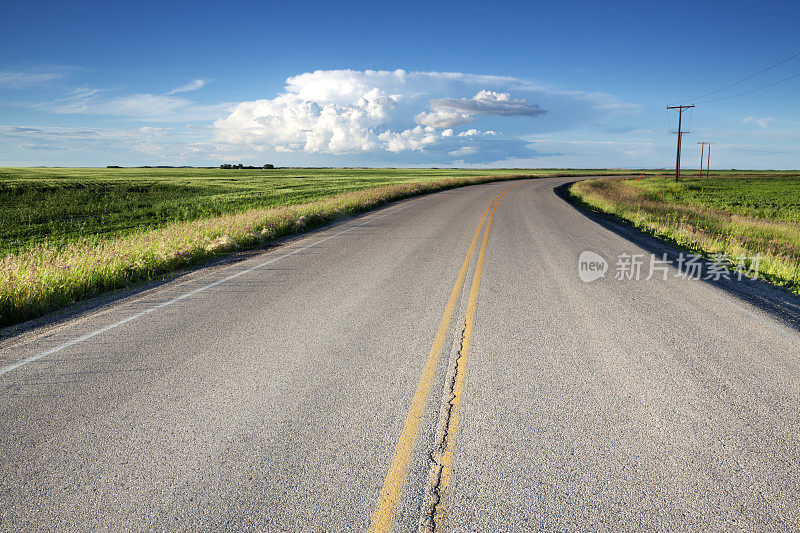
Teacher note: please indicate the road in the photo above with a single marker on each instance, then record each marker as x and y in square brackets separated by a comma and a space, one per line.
[322, 385]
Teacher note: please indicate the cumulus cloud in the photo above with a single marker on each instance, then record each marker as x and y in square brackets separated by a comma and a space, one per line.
[328, 116]
[347, 111]
[410, 139]
[328, 113]
[292, 123]
[449, 112]
[347, 87]
[443, 118]
[339, 111]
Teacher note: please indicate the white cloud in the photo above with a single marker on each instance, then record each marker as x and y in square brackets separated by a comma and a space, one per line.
[154, 107]
[19, 79]
[448, 112]
[163, 142]
[345, 87]
[347, 111]
[191, 86]
[339, 116]
[764, 122]
[339, 111]
[411, 139]
[443, 119]
[464, 150]
[295, 124]
[141, 105]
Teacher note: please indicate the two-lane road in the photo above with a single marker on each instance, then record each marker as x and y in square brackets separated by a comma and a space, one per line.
[310, 386]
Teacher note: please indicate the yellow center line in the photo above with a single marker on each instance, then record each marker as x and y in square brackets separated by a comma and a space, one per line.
[383, 518]
[461, 363]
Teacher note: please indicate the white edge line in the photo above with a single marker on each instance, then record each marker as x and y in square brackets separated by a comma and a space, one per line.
[140, 314]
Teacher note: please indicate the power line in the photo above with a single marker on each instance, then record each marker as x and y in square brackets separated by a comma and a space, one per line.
[751, 91]
[747, 78]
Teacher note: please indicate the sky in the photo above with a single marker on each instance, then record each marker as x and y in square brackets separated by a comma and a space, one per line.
[415, 84]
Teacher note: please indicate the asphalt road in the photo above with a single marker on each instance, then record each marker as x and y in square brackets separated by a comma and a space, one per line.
[302, 388]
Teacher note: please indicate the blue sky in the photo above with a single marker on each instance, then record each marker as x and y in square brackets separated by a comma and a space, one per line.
[562, 84]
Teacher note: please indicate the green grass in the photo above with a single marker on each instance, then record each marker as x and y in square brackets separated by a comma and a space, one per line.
[738, 215]
[68, 234]
[63, 204]
[773, 197]
[59, 205]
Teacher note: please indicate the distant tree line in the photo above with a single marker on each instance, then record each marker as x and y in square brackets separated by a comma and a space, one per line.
[156, 166]
[241, 166]
[225, 166]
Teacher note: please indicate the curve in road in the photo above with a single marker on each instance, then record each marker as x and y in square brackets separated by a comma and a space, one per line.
[272, 393]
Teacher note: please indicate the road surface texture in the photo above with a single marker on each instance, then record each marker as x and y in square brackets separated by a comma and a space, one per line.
[411, 369]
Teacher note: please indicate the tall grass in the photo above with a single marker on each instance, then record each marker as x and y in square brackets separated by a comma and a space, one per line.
[710, 223]
[60, 204]
[49, 275]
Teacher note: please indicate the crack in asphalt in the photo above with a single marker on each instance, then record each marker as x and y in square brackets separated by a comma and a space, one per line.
[432, 515]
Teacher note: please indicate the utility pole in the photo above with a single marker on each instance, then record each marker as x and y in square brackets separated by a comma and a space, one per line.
[708, 164]
[702, 146]
[680, 109]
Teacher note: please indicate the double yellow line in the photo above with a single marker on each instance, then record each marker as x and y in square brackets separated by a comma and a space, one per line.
[383, 518]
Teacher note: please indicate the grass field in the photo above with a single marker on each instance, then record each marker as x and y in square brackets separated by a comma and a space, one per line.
[71, 233]
[59, 205]
[724, 214]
